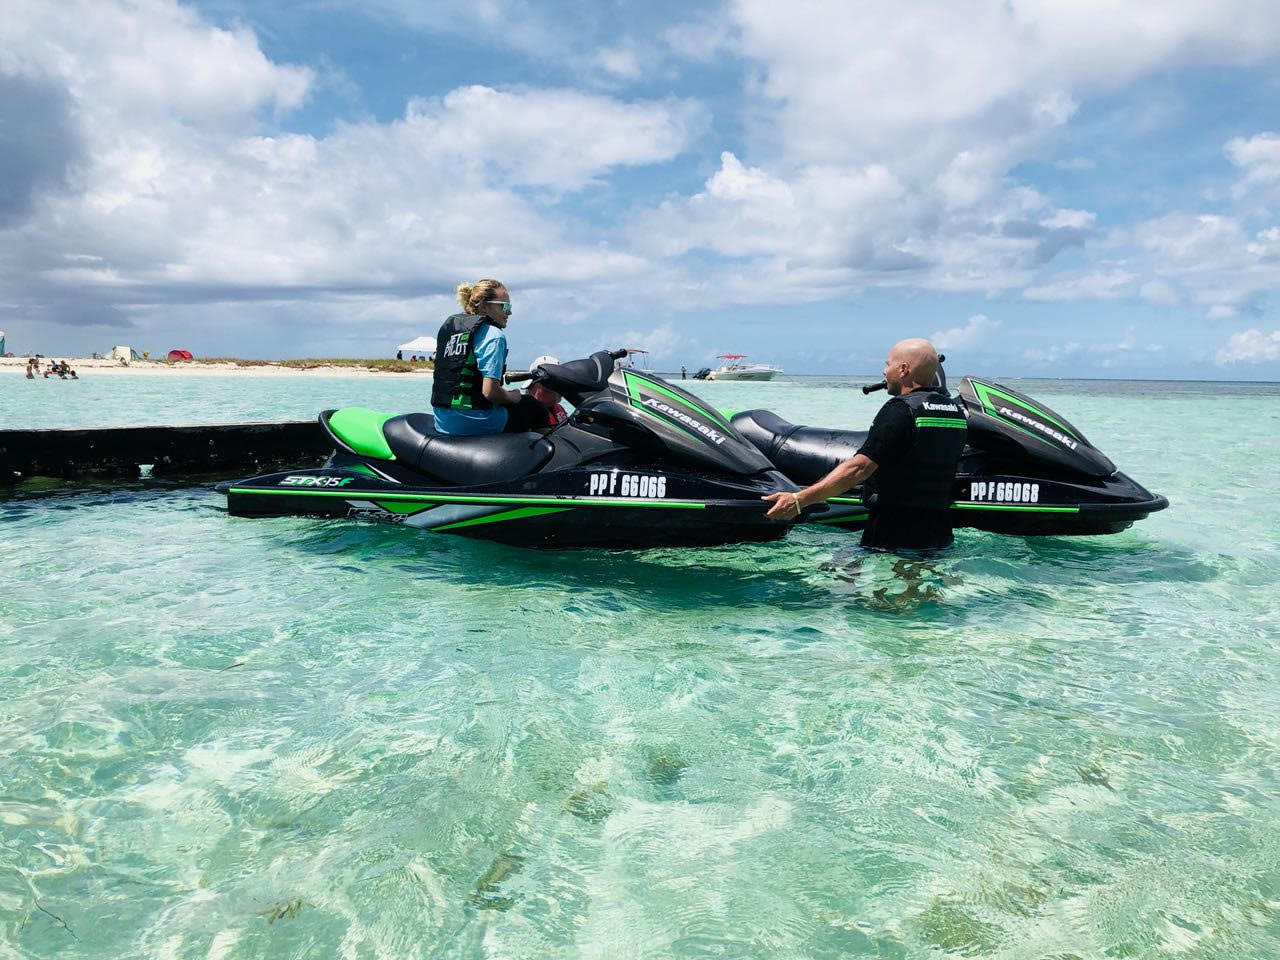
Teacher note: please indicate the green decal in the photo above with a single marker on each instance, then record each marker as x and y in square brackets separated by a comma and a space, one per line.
[985, 392]
[361, 430]
[844, 499]
[393, 506]
[941, 422]
[504, 515]
[430, 498]
[1018, 509]
[634, 383]
[367, 471]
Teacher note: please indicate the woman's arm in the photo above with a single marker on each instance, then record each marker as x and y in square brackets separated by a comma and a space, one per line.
[497, 394]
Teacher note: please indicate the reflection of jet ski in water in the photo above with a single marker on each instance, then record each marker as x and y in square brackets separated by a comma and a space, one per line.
[1026, 470]
[638, 463]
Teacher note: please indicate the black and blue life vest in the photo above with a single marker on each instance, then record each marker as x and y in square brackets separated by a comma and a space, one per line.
[924, 479]
[458, 384]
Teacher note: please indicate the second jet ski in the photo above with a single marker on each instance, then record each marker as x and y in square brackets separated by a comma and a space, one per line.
[1026, 470]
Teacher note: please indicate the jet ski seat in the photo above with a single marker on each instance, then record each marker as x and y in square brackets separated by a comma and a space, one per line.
[805, 454]
[465, 461]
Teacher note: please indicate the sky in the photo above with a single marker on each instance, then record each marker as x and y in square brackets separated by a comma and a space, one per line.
[1083, 188]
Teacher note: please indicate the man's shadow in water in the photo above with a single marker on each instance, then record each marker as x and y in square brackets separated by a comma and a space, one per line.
[911, 582]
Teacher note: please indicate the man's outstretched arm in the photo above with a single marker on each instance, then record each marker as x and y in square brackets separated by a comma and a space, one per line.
[845, 476]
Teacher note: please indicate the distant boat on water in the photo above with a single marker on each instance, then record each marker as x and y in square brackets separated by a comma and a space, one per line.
[738, 366]
[630, 362]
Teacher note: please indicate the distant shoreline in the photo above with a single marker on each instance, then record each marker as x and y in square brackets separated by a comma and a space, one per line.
[223, 368]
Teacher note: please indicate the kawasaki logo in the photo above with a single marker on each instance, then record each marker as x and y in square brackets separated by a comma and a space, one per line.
[949, 407]
[1037, 425]
[669, 411]
[314, 482]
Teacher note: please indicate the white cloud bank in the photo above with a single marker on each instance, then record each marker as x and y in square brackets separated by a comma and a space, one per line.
[879, 150]
[1250, 347]
[978, 328]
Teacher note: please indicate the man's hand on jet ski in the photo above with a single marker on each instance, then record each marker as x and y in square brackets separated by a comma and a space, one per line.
[844, 476]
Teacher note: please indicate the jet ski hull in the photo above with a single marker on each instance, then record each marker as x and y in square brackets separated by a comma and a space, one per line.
[558, 511]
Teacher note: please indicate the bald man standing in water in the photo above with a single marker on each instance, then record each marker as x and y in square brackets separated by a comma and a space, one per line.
[908, 462]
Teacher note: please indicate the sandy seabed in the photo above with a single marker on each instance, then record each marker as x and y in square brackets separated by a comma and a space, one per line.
[88, 367]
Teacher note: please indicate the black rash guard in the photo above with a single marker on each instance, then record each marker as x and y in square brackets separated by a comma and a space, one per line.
[916, 461]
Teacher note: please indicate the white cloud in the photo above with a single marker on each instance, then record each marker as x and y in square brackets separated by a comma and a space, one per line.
[621, 62]
[1069, 219]
[551, 138]
[978, 328]
[149, 58]
[1258, 157]
[1094, 285]
[1250, 346]
[662, 341]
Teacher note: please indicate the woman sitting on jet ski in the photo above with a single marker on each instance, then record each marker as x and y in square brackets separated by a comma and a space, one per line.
[467, 395]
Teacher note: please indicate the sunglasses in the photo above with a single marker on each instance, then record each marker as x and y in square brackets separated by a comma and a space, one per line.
[504, 304]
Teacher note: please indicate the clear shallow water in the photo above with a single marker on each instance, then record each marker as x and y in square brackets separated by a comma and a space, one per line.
[233, 738]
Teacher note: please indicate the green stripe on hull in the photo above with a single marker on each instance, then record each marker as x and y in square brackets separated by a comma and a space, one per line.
[429, 498]
[504, 515]
[391, 506]
[1013, 507]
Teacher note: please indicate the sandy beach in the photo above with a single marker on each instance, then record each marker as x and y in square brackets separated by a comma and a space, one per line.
[87, 367]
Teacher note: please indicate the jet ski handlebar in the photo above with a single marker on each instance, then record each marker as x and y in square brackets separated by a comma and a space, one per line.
[939, 380]
[522, 376]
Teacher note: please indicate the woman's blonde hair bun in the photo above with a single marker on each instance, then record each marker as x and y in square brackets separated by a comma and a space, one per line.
[471, 295]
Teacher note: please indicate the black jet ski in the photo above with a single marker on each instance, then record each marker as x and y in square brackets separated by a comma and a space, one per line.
[639, 463]
[1026, 471]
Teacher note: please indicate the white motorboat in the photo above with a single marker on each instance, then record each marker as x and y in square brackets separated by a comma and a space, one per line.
[630, 362]
[737, 366]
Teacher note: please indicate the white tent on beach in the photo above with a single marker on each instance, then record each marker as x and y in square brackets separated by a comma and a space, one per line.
[422, 345]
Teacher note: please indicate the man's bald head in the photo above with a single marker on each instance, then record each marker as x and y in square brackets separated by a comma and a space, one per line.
[912, 363]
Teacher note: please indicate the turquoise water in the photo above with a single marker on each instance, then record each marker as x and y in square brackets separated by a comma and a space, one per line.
[293, 738]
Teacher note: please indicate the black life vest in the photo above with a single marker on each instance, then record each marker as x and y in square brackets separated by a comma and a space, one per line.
[924, 479]
[458, 384]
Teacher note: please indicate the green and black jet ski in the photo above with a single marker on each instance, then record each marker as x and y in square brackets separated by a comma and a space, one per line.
[1026, 470]
[639, 463]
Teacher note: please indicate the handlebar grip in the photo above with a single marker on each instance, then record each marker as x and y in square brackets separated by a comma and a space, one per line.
[873, 387]
[518, 377]
[618, 354]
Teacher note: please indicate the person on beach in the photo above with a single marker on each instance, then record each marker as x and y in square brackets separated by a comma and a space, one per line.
[30, 373]
[467, 395]
[908, 461]
[399, 354]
